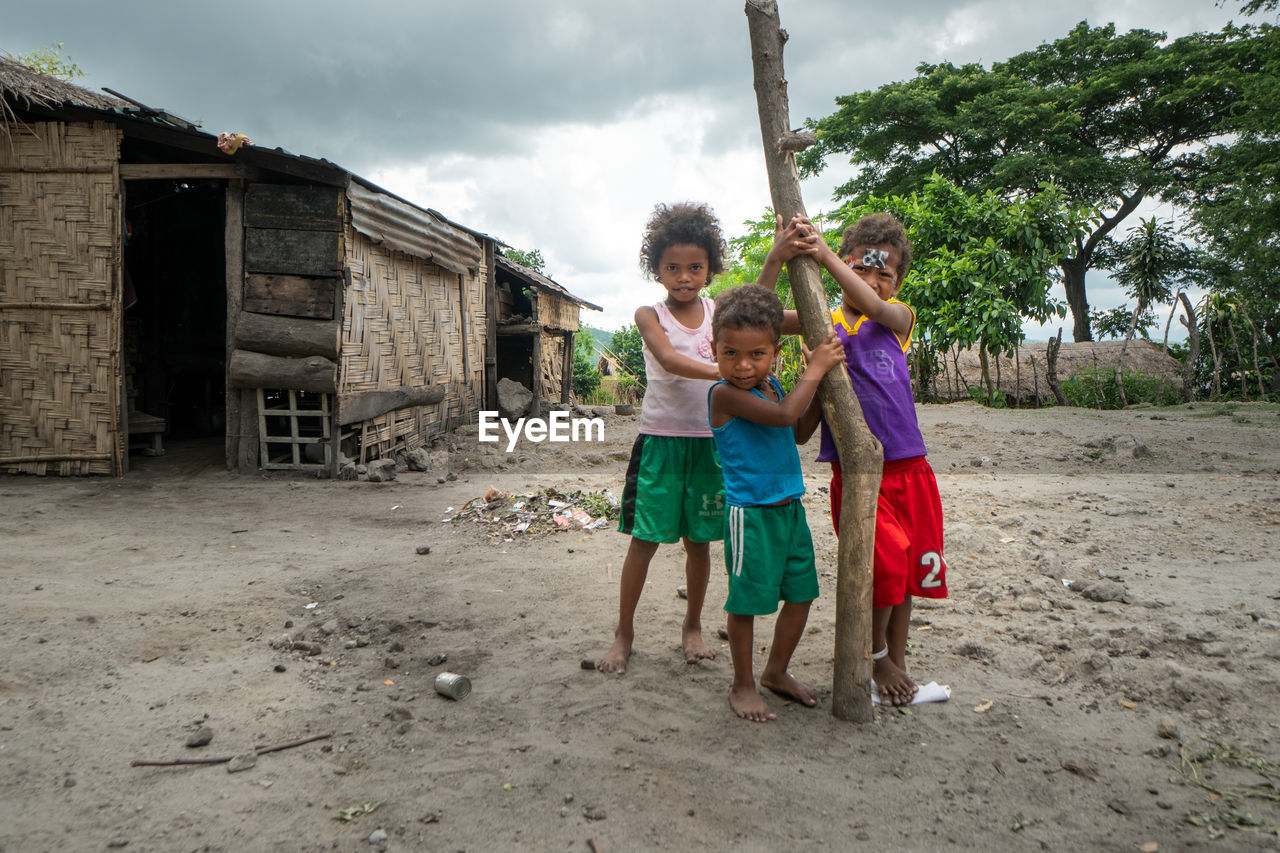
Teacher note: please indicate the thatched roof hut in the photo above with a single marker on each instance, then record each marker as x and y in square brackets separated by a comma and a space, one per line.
[26, 87]
[1024, 377]
[162, 287]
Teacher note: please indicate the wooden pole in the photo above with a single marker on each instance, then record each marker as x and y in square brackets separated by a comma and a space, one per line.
[233, 245]
[861, 456]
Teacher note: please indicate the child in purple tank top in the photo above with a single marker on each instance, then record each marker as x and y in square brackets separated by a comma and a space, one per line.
[875, 329]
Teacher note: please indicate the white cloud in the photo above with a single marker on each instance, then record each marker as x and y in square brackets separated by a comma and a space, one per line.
[582, 193]
[553, 125]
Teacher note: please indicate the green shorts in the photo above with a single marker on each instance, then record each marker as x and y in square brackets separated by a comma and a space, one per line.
[674, 489]
[768, 551]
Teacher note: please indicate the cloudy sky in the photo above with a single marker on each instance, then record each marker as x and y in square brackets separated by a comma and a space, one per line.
[554, 125]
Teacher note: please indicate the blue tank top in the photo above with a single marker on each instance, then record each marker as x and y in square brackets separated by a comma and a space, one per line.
[760, 463]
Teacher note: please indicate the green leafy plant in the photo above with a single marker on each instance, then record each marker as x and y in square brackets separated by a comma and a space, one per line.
[50, 60]
[1099, 388]
[628, 347]
[586, 378]
[1112, 117]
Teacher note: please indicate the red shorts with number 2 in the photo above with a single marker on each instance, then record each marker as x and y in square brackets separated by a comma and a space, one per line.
[908, 548]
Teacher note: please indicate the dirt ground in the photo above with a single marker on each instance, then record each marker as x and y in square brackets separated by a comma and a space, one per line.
[1135, 709]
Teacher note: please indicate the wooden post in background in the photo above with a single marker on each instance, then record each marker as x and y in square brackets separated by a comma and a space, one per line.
[861, 456]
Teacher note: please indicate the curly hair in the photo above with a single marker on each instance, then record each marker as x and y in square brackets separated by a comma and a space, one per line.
[877, 228]
[748, 306]
[683, 223]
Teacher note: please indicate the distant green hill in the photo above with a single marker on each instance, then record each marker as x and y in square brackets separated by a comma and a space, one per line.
[599, 337]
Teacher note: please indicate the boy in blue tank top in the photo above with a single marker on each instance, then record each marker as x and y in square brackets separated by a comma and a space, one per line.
[768, 546]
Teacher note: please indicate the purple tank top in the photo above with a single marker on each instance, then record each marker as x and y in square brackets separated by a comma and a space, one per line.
[877, 363]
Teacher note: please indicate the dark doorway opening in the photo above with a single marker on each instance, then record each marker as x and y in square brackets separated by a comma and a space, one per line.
[175, 297]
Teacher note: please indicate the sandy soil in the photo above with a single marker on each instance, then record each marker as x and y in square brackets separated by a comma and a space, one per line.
[1136, 709]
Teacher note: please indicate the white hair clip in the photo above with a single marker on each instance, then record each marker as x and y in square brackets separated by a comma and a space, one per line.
[875, 258]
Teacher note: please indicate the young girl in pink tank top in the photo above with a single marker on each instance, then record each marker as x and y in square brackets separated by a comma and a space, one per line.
[674, 489]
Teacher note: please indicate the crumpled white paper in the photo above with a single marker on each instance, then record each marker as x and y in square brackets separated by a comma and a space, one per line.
[931, 692]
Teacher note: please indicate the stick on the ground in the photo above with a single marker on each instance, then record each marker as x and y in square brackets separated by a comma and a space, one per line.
[259, 750]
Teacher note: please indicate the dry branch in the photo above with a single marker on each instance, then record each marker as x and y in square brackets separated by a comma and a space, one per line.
[258, 750]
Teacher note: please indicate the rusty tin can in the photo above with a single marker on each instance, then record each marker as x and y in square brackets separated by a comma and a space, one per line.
[453, 685]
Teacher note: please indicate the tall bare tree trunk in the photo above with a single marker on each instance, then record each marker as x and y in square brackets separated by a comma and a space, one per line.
[861, 456]
[1017, 373]
[1213, 353]
[1051, 369]
[1133, 327]
[984, 364]
[1244, 370]
[1193, 348]
[1035, 379]
[1257, 366]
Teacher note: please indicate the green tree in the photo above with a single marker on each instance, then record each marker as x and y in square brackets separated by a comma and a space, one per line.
[1236, 220]
[628, 347]
[1112, 119]
[49, 60]
[982, 264]
[1151, 262]
[1120, 322]
[586, 378]
[532, 259]
[1251, 6]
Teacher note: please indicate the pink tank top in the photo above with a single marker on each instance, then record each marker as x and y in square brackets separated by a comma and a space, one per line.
[672, 404]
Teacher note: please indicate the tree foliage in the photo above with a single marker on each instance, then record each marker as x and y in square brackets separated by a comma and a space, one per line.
[1250, 7]
[1150, 263]
[1111, 118]
[982, 263]
[628, 345]
[50, 60]
[532, 259]
[586, 378]
[1120, 322]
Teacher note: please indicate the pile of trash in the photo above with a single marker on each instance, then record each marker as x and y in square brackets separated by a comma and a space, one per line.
[549, 511]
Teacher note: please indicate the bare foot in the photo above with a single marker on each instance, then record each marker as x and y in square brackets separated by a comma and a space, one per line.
[896, 687]
[747, 703]
[615, 660]
[694, 647]
[789, 688]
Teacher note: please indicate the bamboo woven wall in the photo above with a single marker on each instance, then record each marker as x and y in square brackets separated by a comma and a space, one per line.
[556, 312]
[408, 322]
[59, 300]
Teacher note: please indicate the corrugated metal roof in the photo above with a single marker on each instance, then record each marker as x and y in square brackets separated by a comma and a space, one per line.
[537, 279]
[406, 228]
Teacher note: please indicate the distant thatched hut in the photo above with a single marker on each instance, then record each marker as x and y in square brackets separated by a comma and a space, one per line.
[1024, 378]
[154, 285]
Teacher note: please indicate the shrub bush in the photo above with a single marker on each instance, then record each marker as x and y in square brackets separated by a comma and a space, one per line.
[1099, 388]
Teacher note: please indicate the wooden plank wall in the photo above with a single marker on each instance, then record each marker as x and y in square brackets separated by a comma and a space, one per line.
[60, 328]
[284, 274]
[407, 322]
[553, 360]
